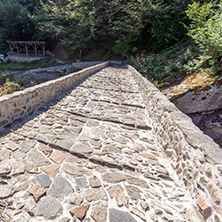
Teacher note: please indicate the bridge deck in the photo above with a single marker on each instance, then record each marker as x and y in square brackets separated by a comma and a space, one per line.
[90, 155]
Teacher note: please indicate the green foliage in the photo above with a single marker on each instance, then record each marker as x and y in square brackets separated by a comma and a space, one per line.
[11, 86]
[122, 26]
[166, 26]
[6, 85]
[14, 22]
[205, 30]
[4, 76]
[173, 69]
[41, 63]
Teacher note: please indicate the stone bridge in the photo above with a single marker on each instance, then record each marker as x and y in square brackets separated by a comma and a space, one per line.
[110, 147]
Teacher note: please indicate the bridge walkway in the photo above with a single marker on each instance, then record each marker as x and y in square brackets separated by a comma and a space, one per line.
[89, 156]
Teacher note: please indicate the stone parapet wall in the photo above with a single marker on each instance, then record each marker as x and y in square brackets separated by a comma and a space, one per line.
[194, 156]
[21, 103]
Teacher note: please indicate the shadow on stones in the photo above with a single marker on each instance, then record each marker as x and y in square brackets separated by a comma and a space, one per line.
[18, 123]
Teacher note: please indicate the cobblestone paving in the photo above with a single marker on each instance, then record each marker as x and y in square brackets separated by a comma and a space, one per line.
[90, 156]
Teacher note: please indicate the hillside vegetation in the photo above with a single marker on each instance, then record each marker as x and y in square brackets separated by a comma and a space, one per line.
[162, 39]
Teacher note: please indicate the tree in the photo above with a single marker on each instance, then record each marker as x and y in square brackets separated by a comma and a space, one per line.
[14, 22]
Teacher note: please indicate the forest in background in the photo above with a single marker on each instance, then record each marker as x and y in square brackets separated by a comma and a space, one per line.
[160, 38]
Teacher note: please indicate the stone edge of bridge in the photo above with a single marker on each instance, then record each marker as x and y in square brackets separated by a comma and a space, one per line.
[21, 103]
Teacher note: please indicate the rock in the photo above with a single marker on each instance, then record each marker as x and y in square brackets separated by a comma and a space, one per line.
[94, 182]
[95, 194]
[46, 138]
[47, 150]
[30, 203]
[5, 167]
[43, 180]
[37, 191]
[133, 192]
[81, 183]
[96, 144]
[99, 212]
[21, 186]
[75, 170]
[76, 199]
[27, 145]
[37, 159]
[205, 208]
[51, 169]
[60, 187]
[65, 219]
[137, 182]
[18, 167]
[214, 192]
[113, 177]
[57, 156]
[5, 191]
[4, 154]
[81, 148]
[12, 145]
[49, 208]
[145, 206]
[138, 213]
[30, 168]
[117, 191]
[80, 212]
[117, 216]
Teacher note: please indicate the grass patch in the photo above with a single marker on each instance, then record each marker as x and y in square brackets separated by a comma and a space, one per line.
[41, 63]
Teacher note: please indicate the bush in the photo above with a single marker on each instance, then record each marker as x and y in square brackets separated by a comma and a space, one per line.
[4, 76]
[205, 30]
[173, 69]
[11, 87]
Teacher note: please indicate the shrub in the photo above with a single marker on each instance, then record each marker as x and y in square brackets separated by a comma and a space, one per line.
[4, 76]
[11, 87]
[205, 30]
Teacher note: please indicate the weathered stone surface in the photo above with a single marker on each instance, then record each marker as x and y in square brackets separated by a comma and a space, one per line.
[74, 170]
[76, 198]
[81, 148]
[99, 212]
[47, 150]
[51, 169]
[4, 154]
[57, 156]
[37, 159]
[137, 182]
[65, 219]
[5, 191]
[60, 188]
[37, 191]
[12, 145]
[117, 191]
[214, 191]
[204, 206]
[49, 208]
[5, 167]
[30, 167]
[81, 183]
[117, 216]
[80, 212]
[27, 145]
[133, 192]
[18, 167]
[43, 180]
[133, 166]
[94, 182]
[138, 213]
[114, 177]
[95, 194]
